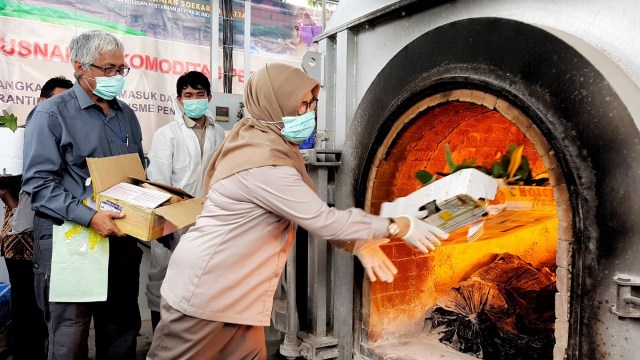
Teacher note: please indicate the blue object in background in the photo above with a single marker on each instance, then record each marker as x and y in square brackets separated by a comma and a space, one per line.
[309, 142]
[5, 305]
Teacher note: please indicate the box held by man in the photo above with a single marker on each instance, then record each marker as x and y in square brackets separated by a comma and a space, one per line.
[140, 221]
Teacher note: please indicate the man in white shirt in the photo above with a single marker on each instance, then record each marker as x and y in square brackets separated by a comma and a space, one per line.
[180, 153]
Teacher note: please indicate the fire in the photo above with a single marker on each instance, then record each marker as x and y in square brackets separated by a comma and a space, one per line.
[400, 308]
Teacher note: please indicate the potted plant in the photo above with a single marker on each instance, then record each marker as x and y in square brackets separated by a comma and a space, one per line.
[8, 120]
[463, 182]
[517, 188]
[12, 140]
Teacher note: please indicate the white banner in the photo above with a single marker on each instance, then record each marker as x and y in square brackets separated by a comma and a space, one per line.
[163, 39]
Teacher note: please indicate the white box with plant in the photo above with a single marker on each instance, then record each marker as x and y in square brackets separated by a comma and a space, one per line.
[503, 181]
[12, 140]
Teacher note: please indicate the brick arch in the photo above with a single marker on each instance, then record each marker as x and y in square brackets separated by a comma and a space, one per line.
[477, 125]
[471, 130]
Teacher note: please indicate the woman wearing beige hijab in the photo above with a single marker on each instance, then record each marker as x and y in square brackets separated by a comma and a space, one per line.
[218, 292]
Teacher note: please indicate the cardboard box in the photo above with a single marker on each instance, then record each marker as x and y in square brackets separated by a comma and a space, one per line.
[11, 154]
[534, 198]
[509, 207]
[142, 223]
[452, 202]
[470, 182]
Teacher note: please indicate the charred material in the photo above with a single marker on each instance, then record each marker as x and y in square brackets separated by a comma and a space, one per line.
[505, 310]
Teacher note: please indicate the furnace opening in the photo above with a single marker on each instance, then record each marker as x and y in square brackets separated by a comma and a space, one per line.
[475, 125]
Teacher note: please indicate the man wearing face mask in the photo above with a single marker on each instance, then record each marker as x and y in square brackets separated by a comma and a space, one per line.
[179, 155]
[86, 121]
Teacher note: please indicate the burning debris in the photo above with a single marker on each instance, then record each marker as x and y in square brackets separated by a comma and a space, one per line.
[505, 310]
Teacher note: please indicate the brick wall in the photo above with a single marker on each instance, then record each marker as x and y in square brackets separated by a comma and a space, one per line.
[475, 125]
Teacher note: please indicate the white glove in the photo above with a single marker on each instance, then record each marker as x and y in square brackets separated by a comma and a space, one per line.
[422, 235]
[374, 260]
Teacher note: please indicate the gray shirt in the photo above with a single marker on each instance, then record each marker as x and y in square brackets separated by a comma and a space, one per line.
[62, 132]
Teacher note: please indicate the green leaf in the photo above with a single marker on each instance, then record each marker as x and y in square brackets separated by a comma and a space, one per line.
[513, 158]
[497, 170]
[449, 158]
[453, 167]
[524, 172]
[9, 120]
[424, 177]
[468, 164]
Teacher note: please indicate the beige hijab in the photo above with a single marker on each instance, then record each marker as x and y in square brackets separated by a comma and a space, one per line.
[271, 93]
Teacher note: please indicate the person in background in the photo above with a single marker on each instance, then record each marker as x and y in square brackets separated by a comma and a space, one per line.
[179, 155]
[86, 121]
[27, 334]
[54, 86]
[217, 295]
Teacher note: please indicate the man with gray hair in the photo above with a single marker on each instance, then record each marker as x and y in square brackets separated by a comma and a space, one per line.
[86, 121]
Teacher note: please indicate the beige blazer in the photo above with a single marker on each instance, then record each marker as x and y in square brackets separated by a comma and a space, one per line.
[227, 267]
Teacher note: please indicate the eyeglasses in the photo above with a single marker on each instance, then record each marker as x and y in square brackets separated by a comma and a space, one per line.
[308, 105]
[112, 70]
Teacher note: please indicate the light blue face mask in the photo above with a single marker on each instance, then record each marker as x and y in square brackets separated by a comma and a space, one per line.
[108, 87]
[194, 109]
[299, 128]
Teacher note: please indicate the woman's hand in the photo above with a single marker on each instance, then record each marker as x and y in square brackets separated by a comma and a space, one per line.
[374, 260]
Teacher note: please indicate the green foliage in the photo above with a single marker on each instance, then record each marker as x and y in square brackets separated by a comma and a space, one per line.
[424, 177]
[500, 168]
[455, 167]
[47, 14]
[9, 120]
[511, 160]
[314, 3]
[524, 172]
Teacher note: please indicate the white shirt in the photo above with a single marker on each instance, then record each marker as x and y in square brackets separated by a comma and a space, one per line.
[175, 157]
